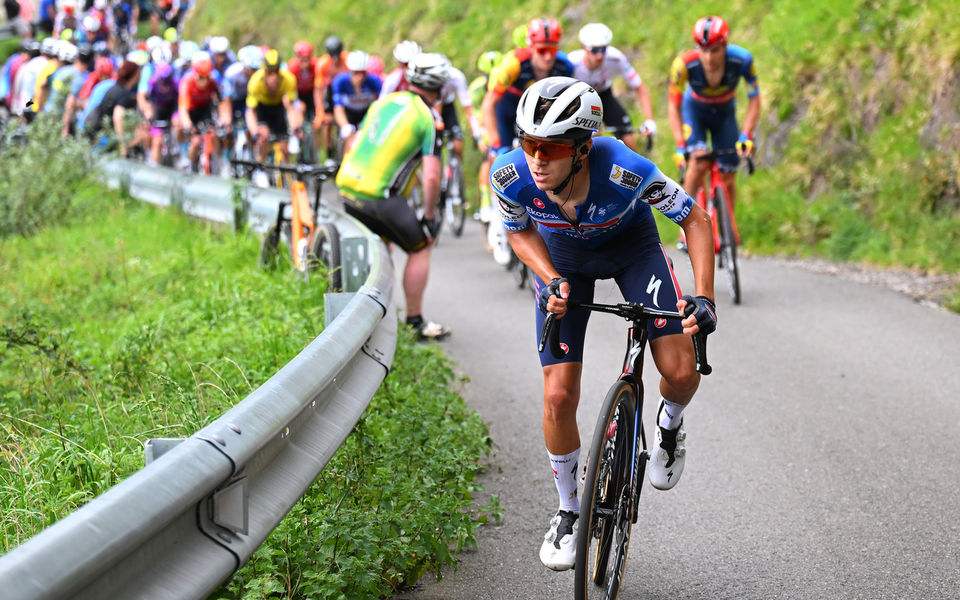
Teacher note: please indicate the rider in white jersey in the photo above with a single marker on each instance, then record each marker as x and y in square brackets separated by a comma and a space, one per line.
[456, 89]
[597, 63]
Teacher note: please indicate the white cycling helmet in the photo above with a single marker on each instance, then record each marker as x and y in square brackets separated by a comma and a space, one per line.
[219, 45]
[251, 57]
[91, 24]
[66, 51]
[428, 71]
[48, 47]
[187, 49]
[161, 54]
[406, 50]
[560, 107]
[153, 42]
[595, 35]
[357, 60]
[100, 4]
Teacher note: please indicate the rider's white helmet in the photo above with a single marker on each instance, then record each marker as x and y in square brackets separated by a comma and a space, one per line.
[406, 50]
[357, 60]
[219, 45]
[560, 107]
[595, 35]
[428, 71]
[251, 57]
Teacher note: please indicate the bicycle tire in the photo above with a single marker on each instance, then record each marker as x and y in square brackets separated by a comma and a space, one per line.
[269, 249]
[605, 509]
[728, 246]
[326, 249]
[458, 210]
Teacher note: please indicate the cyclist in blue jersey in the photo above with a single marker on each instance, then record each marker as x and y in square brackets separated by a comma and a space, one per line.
[353, 93]
[577, 209]
[703, 89]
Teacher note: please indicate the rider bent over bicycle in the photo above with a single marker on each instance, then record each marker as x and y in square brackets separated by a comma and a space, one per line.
[591, 198]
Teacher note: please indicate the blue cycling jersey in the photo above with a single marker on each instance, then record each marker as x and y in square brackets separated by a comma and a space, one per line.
[623, 187]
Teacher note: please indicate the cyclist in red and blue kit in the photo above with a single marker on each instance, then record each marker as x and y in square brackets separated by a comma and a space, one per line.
[703, 87]
[517, 70]
[577, 209]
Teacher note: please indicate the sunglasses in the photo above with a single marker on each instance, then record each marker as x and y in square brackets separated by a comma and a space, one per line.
[546, 50]
[546, 150]
[598, 50]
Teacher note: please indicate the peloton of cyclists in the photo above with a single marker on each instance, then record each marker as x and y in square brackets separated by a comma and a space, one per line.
[703, 87]
[578, 209]
[597, 63]
[353, 93]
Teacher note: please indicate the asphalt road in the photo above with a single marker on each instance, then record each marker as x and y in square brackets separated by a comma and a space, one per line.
[822, 454]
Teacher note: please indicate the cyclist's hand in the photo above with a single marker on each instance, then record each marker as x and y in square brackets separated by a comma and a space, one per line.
[680, 157]
[744, 144]
[702, 318]
[347, 130]
[553, 296]
[429, 227]
[649, 128]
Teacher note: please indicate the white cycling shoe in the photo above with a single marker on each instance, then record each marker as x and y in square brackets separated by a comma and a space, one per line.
[667, 456]
[559, 548]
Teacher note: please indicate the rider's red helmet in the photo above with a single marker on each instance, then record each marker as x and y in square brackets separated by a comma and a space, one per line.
[104, 66]
[544, 31]
[710, 31]
[202, 67]
[303, 48]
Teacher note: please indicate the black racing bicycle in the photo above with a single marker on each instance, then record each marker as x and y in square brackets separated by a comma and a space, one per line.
[618, 455]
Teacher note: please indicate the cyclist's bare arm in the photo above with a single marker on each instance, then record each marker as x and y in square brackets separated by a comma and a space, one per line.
[225, 110]
[675, 120]
[431, 185]
[698, 229]
[752, 115]
[251, 118]
[294, 114]
[530, 248]
[489, 111]
[643, 99]
[340, 115]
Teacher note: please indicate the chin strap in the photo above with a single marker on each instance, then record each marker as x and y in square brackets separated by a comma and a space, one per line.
[575, 167]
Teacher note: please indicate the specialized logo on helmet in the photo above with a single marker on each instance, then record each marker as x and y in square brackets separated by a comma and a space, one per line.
[504, 176]
[624, 178]
[587, 123]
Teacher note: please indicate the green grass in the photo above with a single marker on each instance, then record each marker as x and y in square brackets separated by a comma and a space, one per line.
[130, 322]
[858, 152]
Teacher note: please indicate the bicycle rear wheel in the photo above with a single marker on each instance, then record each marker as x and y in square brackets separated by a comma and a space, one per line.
[728, 246]
[606, 506]
[326, 249]
[270, 249]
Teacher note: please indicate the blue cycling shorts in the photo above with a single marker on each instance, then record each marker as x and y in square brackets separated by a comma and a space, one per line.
[641, 271]
[720, 121]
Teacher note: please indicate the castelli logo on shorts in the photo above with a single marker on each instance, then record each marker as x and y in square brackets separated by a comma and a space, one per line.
[660, 323]
[566, 348]
[539, 203]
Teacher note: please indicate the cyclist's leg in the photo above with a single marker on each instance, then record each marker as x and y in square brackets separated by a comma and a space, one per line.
[617, 120]
[649, 278]
[724, 135]
[451, 124]
[694, 117]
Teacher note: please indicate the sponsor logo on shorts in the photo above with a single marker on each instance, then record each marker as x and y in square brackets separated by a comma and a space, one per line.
[660, 323]
[624, 178]
[504, 176]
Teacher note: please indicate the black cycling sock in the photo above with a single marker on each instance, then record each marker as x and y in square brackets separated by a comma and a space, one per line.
[415, 321]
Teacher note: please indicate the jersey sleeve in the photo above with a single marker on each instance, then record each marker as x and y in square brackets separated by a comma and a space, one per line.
[252, 101]
[629, 74]
[666, 195]
[503, 76]
[504, 177]
[749, 73]
[678, 79]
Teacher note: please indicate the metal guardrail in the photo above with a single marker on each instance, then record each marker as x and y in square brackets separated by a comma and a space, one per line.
[192, 516]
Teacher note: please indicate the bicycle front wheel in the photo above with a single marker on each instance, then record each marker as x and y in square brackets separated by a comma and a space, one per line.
[606, 507]
[728, 246]
[326, 249]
